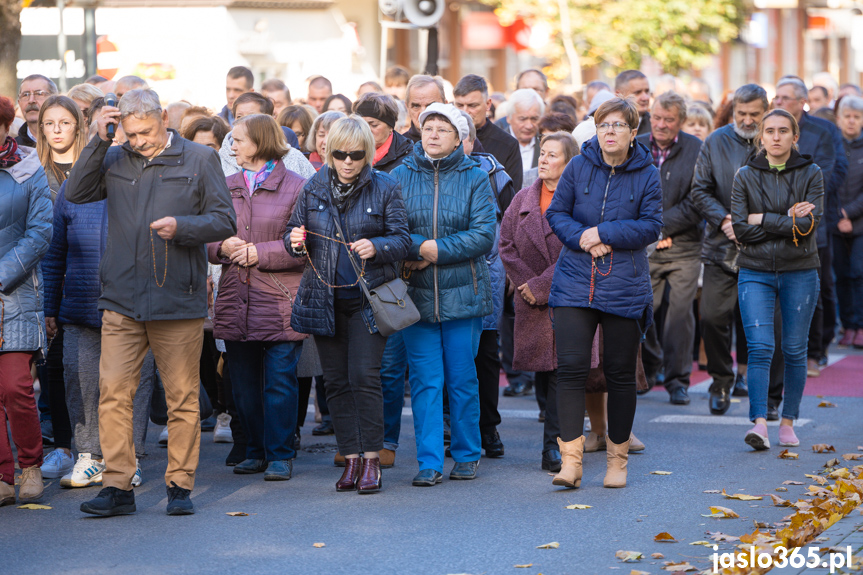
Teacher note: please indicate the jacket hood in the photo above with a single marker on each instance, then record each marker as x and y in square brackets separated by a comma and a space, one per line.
[455, 161]
[795, 160]
[27, 167]
[639, 157]
[487, 162]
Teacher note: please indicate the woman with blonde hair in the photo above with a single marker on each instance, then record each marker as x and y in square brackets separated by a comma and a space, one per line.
[84, 95]
[349, 217]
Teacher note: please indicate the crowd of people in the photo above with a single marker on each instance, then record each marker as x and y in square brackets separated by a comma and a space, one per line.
[205, 271]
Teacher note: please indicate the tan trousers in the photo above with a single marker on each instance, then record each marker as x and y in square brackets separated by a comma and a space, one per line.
[176, 345]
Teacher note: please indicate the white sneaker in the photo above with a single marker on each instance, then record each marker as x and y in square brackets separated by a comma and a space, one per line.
[136, 479]
[87, 472]
[57, 464]
[163, 437]
[222, 431]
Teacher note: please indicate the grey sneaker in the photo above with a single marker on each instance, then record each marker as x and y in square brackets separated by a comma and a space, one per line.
[465, 470]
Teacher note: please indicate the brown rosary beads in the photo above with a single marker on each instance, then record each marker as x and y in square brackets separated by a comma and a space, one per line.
[362, 269]
[794, 229]
[153, 250]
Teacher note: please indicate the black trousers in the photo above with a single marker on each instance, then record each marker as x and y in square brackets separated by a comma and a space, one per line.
[352, 371]
[488, 372]
[210, 378]
[547, 382]
[824, 319]
[52, 379]
[574, 328]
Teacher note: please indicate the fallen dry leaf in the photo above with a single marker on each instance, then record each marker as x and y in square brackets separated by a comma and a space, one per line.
[711, 491]
[679, 567]
[860, 448]
[578, 506]
[525, 566]
[657, 556]
[781, 489]
[704, 543]
[817, 478]
[841, 473]
[721, 512]
[552, 545]
[741, 496]
[760, 525]
[785, 454]
[826, 404]
[637, 572]
[833, 463]
[789, 482]
[660, 473]
[664, 537]
[34, 506]
[722, 537]
[628, 556]
[823, 448]
[319, 545]
[852, 456]
[237, 514]
[779, 502]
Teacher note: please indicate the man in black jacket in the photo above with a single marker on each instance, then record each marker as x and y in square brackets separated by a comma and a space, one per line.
[167, 198]
[35, 89]
[724, 152]
[471, 95]
[634, 83]
[675, 265]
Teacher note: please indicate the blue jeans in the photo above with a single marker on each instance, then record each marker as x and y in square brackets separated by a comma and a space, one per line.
[266, 391]
[848, 265]
[443, 354]
[394, 364]
[798, 295]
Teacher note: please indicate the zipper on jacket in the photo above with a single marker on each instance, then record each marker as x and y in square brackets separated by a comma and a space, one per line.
[434, 236]
[473, 273]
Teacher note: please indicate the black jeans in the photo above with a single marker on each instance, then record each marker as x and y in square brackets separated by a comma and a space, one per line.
[547, 382]
[488, 372]
[51, 374]
[824, 320]
[352, 373]
[574, 328]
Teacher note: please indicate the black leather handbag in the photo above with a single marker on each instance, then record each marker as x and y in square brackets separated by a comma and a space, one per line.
[392, 307]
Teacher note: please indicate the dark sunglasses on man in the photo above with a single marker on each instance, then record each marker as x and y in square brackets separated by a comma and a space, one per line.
[355, 156]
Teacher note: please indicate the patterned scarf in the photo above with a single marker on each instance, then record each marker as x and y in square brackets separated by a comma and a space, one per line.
[255, 179]
[9, 155]
[341, 192]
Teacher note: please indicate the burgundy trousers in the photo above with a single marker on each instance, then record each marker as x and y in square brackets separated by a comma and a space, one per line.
[19, 403]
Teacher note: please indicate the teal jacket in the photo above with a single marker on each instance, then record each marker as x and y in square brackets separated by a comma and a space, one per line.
[450, 201]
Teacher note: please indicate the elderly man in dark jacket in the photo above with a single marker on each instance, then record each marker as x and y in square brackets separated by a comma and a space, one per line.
[675, 264]
[724, 152]
[167, 198]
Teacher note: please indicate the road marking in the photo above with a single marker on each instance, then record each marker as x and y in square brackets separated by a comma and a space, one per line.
[717, 420]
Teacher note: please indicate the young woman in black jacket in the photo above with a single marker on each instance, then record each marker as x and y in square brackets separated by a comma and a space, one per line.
[776, 204]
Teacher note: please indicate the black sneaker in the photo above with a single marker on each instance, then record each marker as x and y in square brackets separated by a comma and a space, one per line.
[110, 501]
[179, 502]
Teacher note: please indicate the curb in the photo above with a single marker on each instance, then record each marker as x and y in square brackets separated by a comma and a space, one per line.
[848, 531]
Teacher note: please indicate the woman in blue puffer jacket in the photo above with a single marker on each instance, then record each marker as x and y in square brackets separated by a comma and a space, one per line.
[606, 210]
[451, 214]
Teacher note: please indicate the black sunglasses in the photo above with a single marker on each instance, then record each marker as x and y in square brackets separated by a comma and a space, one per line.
[355, 156]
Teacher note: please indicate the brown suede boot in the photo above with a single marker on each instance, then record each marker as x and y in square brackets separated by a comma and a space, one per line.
[571, 453]
[635, 444]
[616, 456]
[339, 460]
[594, 442]
[7, 492]
[388, 458]
[31, 487]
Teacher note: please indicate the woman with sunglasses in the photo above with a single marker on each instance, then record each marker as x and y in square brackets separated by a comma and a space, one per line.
[606, 210]
[349, 217]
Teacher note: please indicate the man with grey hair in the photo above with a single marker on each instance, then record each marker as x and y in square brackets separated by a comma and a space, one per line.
[34, 90]
[675, 264]
[166, 199]
[127, 83]
[421, 91]
[724, 152]
[524, 110]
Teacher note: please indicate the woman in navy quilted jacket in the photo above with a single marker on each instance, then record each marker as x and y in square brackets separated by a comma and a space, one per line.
[451, 213]
[606, 210]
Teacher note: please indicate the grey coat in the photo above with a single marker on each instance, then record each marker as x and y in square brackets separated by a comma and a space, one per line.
[25, 233]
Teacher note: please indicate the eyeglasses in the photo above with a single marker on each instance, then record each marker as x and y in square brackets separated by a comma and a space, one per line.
[440, 132]
[65, 125]
[39, 94]
[618, 127]
[356, 156]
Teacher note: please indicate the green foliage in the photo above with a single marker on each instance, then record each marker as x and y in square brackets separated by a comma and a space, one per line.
[679, 34]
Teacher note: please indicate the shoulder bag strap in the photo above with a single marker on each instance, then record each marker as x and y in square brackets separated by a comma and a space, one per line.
[362, 281]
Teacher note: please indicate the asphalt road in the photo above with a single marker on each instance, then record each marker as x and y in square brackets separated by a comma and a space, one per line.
[489, 525]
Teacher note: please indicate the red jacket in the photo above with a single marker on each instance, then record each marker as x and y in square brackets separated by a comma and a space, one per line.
[254, 304]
